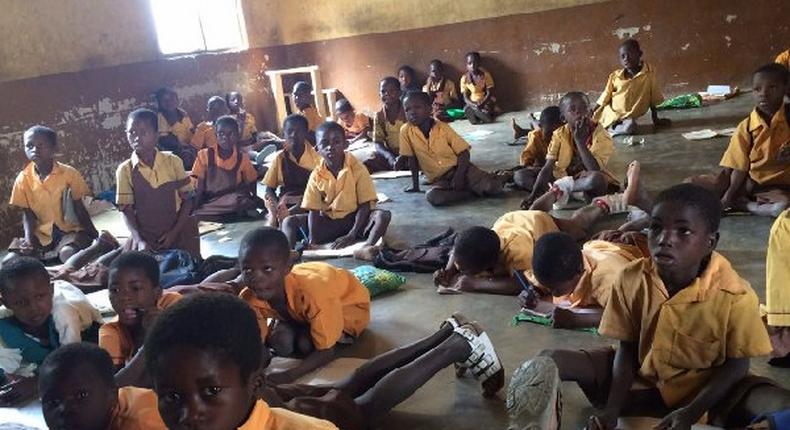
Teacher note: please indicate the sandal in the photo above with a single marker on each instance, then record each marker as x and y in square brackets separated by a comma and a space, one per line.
[456, 320]
[483, 362]
[534, 399]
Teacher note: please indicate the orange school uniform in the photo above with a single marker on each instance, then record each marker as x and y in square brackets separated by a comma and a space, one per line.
[443, 91]
[534, 153]
[182, 129]
[245, 173]
[275, 176]
[438, 153]
[387, 130]
[783, 59]
[328, 299]
[477, 91]
[563, 149]
[313, 118]
[204, 136]
[137, 409]
[264, 417]
[518, 231]
[166, 168]
[247, 125]
[338, 197]
[357, 125]
[625, 97]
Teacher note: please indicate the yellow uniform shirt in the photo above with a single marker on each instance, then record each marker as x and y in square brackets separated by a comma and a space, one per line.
[313, 118]
[783, 59]
[204, 136]
[330, 300]
[477, 92]
[444, 90]
[246, 173]
[761, 149]
[247, 127]
[263, 417]
[518, 231]
[438, 153]
[682, 339]
[337, 197]
[167, 168]
[181, 129]
[534, 153]
[388, 133]
[777, 270]
[45, 198]
[563, 150]
[358, 124]
[137, 409]
[274, 176]
[628, 98]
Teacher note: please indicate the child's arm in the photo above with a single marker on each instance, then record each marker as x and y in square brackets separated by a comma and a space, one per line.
[415, 175]
[445, 277]
[134, 373]
[582, 131]
[314, 360]
[623, 372]
[360, 221]
[545, 176]
[19, 391]
[504, 285]
[571, 319]
[737, 179]
[130, 218]
[459, 178]
[385, 152]
[84, 219]
[29, 222]
[167, 240]
[311, 223]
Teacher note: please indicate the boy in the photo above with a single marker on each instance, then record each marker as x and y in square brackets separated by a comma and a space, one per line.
[477, 88]
[205, 356]
[137, 299]
[387, 125]
[289, 171]
[356, 125]
[224, 177]
[755, 165]
[777, 305]
[629, 92]
[314, 305]
[78, 392]
[533, 157]
[154, 192]
[205, 136]
[577, 155]
[408, 79]
[441, 90]
[687, 325]
[340, 198]
[50, 193]
[247, 128]
[175, 127]
[303, 99]
[443, 156]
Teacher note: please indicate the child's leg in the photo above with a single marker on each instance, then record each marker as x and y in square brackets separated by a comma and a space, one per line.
[443, 197]
[750, 398]
[591, 370]
[295, 227]
[471, 114]
[518, 131]
[379, 221]
[102, 245]
[76, 242]
[525, 178]
[287, 339]
[592, 184]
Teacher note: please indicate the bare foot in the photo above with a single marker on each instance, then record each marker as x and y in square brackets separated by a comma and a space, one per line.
[367, 253]
[518, 131]
[282, 212]
[105, 238]
[546, 202]
[638, 220]
[631, 193]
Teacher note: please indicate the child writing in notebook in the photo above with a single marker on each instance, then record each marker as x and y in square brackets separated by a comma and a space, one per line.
[386, 131]
[442, 91]
[175, 126]
[356, 125]
[477, 88]
[205, 136]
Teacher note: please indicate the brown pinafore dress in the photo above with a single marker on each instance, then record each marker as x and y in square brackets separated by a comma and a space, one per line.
[220, 194]
[294, 178]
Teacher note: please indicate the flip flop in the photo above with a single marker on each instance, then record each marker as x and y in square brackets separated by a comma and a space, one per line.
[483, 362]
[534, 399]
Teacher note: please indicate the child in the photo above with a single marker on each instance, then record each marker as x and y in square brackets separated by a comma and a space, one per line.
[441, 90]
[777, 272]
[78, 392]
[246, 120]
[153, 192]
[533, 157]
[303, 99]
[205, 357]
[50, 193]
[687, 325]
[137, 299]
[356, 125]
[314, 305]
[289, 171]
[175, 127]
[477, 87]
[408, 80]
[755, 163]
[340, 198]
[577, 156]
[205, 135]
[629, 92]
[386, 128]
[443, 156]
[224, 177]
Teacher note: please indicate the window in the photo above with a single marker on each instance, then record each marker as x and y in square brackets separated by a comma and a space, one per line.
[185, 26]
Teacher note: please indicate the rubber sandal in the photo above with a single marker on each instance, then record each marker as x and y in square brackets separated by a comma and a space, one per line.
[483, 361]
[534, 399]
[456, 320]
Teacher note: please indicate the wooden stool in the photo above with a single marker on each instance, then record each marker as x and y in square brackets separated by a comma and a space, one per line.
[276, 77]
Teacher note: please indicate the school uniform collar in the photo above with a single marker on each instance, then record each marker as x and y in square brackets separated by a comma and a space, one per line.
[30, 170]
[136, 159]
[756, 121]
[309, 151]
[324, 172]
[258, 418]
[717, 276]
[646, 68]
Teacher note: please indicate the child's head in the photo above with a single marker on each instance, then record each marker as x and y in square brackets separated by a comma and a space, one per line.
[331, 144]
[235, 101]
[216, 107]
[630, 54]
[295, 129]
[26, 290]
[389, 90]
[133, 286]
[476, 250]
[77, 388]
[405, 76]
[550, 120]
[684, 229]
[557, 263]
[227, 129]
[166, 99]
[417, 106]
[265, 260]
[40, 143]
[436, 70]
[142, 129]
[204, 355]
[574, 106]
[302, 95]
[473, 61]
[770, 85]
[344, 110]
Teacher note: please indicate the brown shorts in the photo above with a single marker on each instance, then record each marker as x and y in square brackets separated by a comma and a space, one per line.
[478, 181]
[323, 402]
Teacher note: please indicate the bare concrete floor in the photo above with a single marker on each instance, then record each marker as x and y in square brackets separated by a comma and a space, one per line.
[415, 311]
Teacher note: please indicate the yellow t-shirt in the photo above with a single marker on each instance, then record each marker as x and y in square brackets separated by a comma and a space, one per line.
[45, 198]
[761, 149]
[274, 176]
[563, 150]
[477, 92]
[518, 231]
[263, 417]
[628, 98]
[167, 168]
[204, 136]
[447, 93]
[534, 153]
[181, 129]
[783, 59]
[341, 196]
[438, 153]
[777, 272]
[247, 127]
[137, 409]
[246, 173]
[388, 133]
[313, 118]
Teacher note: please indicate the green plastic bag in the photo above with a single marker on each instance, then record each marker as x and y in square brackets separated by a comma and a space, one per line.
[685, 101]
[378, 281]
[455, 113]
[535, 319]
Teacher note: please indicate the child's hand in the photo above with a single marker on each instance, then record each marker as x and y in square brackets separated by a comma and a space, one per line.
[343, 241]
[137, 244]
[528, 298]
[527, 202]
[18, 391]
[676, 420]
[412, 189]
[443, 277]
[464, 284]
[581, 131]
[167, 240]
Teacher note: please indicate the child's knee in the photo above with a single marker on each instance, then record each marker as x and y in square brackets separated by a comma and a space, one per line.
[282, 340]
[382, 217]
[292, 223]
[435, 197]
[304, 344]
[66, 252]
[524, 178]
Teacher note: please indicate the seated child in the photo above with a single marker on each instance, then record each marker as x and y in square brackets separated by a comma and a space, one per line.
[386, 129]
[783, 58]
[289, 171]
[224, 177]
[477, 88]
[303, 99]
[205, 356]
[434, 148]
[153, 192]
[78, 392]
[755, 174]
[205, 136]
[314, 305]
[441, 90]
[577, 156]
[687, 325]
[248, 129]
[777, 304]
[175, 127]
[340, 198]
[356, 125]
[629, 92]
[533, 157]
[137, 299]
[50, 193]
[408, 80]
[88, 268]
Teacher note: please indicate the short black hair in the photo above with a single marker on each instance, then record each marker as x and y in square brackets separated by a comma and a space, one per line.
[551, 115]
[158, 94]
[573, 95]
[301, 86]
[702, 200]
[45, 131]
[390, 80]
[220, 323]
[418, 95]
[631, 43]
[556, 258]
[473, 54]
[216, 99]
[437, 62]
[265, 237]
[227, 95]
[343, 105]
[776, 70]
[328, 126]
[296, 119]
[18, 268]
[137, 260]
[228, 120]
[65, 360]
[408, 69]
[146, 115]
[478, 246]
